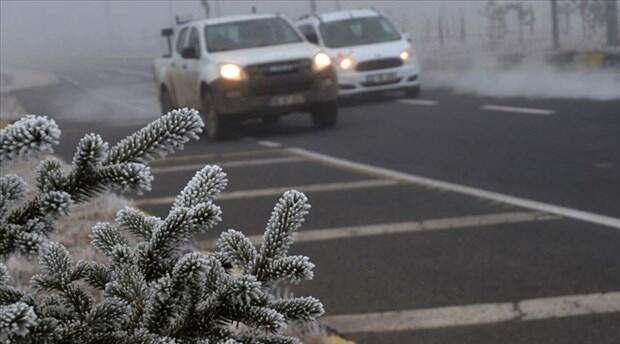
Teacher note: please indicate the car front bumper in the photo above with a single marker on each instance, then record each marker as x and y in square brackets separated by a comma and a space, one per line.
[353, 82]
[248, 99]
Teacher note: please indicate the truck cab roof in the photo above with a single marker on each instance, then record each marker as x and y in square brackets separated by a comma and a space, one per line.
[229, 19]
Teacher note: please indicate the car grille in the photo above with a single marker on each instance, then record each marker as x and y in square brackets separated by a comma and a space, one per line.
[379, 64]
[280, 77]
[390, 82]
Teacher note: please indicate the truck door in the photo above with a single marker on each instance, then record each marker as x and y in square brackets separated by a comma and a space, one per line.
[191, 70]
[176, 72]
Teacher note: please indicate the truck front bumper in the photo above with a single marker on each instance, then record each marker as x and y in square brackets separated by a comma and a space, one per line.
[248, 99]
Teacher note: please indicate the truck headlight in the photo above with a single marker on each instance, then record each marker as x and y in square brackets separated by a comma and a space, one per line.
[231, 71]
[404, 55]
[321, 61]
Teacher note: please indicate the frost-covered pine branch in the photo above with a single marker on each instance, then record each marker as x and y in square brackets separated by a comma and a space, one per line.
[95, 168]
[153, 287]
[29, 135]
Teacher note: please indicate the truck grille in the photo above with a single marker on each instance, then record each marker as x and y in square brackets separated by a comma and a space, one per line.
[278, 68]
[390, 62]
[280, 77]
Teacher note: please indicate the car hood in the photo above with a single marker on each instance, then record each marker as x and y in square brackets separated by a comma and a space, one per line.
[266, 54]
[371, 51]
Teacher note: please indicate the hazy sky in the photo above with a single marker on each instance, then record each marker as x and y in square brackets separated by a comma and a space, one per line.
[54, 28]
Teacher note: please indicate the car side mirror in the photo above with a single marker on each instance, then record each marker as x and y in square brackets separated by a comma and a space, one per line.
[312, 38]
[407, 37]
[189, 53]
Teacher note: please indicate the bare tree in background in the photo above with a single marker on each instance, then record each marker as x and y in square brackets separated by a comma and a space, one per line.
[207, 7]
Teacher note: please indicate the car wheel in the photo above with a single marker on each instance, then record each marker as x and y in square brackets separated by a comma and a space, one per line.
[165, 101]
[412, 92]
[325, 115]
[215, 126]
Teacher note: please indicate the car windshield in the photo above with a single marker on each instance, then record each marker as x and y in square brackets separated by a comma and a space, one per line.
[249, 34]
[358, 31]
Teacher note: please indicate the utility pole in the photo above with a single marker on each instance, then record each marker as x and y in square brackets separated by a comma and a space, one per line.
[612, 23]
[554, 24]
[313, 6]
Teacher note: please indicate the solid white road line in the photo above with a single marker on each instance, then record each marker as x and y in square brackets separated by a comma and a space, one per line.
[362, 184]
[530, 111]
[407, 227]
[131, 72]
[103, 98]
[462, 189]
[423, 102]
[198, 157]
[225, 164]
[269, 144]
[478, 314]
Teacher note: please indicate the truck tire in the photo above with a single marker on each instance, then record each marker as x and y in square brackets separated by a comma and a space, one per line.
[215, 125]
[165, 101]
[325, 115]
[270, 121]
[412, 92]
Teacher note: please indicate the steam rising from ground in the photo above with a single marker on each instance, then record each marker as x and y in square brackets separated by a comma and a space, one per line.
[530, 79]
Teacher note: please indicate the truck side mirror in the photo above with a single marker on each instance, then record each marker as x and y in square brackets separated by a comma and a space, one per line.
[189, 53]
[312, 38]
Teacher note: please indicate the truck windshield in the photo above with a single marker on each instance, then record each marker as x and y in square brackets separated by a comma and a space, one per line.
[358, 31]
[249, 34]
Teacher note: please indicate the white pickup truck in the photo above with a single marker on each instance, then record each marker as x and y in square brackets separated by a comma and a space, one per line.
[241, 67]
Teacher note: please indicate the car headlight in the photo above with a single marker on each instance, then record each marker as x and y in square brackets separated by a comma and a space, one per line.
[404, 55]
[231, 71]
[321, 61]
[346, 63]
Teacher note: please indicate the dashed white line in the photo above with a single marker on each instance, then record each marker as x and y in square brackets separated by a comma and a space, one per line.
[362, 184]
[408, 227]
[226, 164]
[462, 189]
[529, 111]
[269, 144]
[477, 314]
[423, 102]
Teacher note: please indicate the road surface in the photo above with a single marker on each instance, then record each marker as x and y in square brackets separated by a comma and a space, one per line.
[446, 219]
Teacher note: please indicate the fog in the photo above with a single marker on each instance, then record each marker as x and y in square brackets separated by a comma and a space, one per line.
[43, 34]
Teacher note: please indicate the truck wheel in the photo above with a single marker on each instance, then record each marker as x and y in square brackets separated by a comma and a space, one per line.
[325, 115]
[216, 128]
[165, 101]
[412, 92]
[271, 121]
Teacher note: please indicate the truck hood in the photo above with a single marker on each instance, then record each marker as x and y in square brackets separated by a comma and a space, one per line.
[267, 54]
[371, 51]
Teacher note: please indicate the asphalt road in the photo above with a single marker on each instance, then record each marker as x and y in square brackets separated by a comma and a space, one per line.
[402, 259]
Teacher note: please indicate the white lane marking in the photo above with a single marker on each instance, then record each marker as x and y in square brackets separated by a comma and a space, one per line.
[423, 102]
[225, 164]
[477, 314]
[462, 189]
[407, 227]
[131, 72]
[105, 99]
[191, 157]
[362, 184]
[269, 144]
[530, 111]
